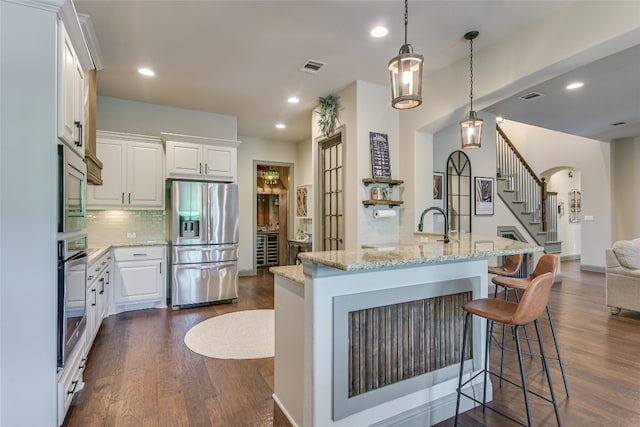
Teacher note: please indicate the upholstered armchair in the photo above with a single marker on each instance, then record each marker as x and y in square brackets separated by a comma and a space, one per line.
[623, 276]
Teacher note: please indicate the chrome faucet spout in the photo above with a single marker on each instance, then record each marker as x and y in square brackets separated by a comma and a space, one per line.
[446, 221]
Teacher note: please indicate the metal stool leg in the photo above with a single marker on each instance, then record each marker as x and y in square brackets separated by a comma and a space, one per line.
[555, 341]
[464, 342]
[522, 376]
[546, 371]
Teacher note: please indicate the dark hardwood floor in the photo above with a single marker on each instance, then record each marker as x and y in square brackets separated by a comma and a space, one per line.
[140, 373]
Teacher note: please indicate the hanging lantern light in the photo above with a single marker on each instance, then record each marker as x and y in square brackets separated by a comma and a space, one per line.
[471, 127]
[405, 72]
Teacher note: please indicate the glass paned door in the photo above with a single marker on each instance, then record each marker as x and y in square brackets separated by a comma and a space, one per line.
[332, 194]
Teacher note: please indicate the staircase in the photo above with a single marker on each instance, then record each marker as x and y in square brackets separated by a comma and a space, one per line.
[526, 196]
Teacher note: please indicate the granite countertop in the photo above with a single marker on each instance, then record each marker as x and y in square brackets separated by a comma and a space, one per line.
[95, 251]
[291, 272]
[422, 248]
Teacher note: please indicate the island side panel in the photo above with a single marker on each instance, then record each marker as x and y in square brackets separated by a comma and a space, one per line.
[289, 348]
[324, 286]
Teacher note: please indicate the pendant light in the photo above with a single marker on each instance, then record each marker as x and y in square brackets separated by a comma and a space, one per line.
[405, 72]
[471, 127]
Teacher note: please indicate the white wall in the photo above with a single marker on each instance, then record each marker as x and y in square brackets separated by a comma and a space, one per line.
[28, 170]
[375, 114]
[544, 150]
[251, 151]
[121, 115]
[303, 175]
[625, 188]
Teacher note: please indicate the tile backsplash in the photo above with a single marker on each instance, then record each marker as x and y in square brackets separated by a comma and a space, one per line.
[120, 226]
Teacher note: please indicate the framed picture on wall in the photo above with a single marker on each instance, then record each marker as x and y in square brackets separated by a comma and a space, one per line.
[303, 195]
[484, 196]
[438, 189]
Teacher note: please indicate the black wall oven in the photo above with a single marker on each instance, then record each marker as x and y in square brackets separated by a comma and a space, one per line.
[72, 188]
[72, 294]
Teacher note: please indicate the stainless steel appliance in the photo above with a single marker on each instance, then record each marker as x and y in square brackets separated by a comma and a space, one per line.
[72, 293]
[72, 185]
[204, 237]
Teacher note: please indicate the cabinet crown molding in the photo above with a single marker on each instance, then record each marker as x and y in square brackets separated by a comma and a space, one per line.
[166, 136]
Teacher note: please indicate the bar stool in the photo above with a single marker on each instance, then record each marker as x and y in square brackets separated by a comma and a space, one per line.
[510, 266]
[548, 263]
[514, 314]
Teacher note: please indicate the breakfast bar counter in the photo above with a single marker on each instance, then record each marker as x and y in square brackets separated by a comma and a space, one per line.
[372, 336]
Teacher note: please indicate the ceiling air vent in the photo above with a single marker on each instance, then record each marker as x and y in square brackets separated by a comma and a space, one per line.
[618, 123]
[312, 66]
[530, 96]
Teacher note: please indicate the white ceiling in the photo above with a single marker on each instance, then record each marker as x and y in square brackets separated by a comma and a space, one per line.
[242, 58]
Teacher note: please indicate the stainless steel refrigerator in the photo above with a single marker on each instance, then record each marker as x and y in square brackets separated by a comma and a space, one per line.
[204, 242]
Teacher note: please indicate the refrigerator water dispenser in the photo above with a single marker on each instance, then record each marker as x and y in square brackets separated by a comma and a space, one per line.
[189, 227]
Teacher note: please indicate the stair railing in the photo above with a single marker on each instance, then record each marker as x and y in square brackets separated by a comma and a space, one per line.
[529, 190]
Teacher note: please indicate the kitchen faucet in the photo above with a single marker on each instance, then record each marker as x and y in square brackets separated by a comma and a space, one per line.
[446, 221]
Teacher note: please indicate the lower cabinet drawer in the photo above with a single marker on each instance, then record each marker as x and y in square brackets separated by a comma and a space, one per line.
[138, 253]
[70, 379]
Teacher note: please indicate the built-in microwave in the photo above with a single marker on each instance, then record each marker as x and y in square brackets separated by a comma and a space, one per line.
[72, 188]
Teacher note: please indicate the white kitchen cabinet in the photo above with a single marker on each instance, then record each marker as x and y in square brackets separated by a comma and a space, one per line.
[132, 173]
[98, 296]
[70, 379]
[71, 93]
[193, 157]
[139, 279]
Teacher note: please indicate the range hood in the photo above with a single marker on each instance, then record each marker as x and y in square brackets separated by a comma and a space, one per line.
[94, 165]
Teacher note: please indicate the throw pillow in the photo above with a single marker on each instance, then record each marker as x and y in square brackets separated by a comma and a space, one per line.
[628, 253]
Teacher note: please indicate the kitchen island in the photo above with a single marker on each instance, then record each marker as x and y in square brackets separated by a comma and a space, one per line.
[372, 336]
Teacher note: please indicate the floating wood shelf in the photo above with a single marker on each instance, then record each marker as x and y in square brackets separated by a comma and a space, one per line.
[390, 182]
[382, 202]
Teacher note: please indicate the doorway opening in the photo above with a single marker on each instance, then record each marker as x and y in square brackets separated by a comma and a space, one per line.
[272, 214]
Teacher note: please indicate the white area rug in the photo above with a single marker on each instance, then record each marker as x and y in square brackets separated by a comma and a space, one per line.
[240, 335]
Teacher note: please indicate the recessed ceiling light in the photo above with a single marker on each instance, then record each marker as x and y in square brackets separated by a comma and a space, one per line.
[280, 125]
[379, 31]
[576, 85]
[293, 100]
[146, 72]
[499, 119]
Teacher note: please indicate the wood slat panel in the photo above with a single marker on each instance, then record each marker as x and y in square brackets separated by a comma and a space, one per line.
[396, 342]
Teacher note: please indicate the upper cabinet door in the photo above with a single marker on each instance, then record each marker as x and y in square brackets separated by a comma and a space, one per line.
[66, 88]
[112, 191]
[221, 162]
[184, 158]
[71, 89]
[132, 173]
[145, 164]
[196, 157]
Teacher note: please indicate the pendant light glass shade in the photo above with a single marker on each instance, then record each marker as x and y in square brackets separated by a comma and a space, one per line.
[471, 126]
[471, 131]
[405, 73]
